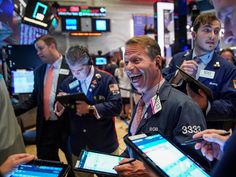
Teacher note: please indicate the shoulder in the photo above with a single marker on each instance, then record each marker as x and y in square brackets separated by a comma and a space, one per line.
[41, 67]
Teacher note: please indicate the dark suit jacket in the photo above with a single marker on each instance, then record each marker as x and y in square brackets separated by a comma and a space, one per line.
[223, 105]
[36, 98]
[226, 165]
[179, 119]
[87, 131]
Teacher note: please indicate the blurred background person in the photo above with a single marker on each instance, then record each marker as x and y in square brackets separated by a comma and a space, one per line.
[11, 140]
[228, 54]
[92, 123]
[51, 131]
[125, 88]
[214, 144]
[112, 65]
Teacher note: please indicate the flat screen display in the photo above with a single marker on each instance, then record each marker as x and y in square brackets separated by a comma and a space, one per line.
[99, 163]
[101, 25]
[162, 155]
[100, 61]
[38, 168]
[86, 24]
[37, 13]
[22, 81]
[70, 24]
[22, 57]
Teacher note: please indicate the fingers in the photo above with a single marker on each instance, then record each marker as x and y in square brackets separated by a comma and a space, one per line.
[59, 109]
[215, 138]
[24, 158]
[81, 108]
[189, 67]
[208, 131]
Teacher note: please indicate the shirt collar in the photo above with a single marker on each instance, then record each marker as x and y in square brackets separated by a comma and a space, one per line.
[206, 58]
[152, 92]
[91, 73]
[57, 63]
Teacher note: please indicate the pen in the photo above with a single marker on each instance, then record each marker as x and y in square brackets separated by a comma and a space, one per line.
[129, 161]
[197, 140]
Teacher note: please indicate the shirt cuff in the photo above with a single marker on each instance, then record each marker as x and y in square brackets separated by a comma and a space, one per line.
[208, 107]
[180, 81]
[96, 113]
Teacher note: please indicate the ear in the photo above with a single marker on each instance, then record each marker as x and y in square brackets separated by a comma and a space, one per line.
[194, 34]
[52, 45]
[158, 61]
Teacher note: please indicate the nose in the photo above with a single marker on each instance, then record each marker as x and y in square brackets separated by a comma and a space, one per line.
[129, 66]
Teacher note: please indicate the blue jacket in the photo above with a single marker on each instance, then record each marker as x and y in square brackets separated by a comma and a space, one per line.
[223, 106]
[87, 131]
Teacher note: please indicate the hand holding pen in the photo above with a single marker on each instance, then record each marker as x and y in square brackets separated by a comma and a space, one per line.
[218, 135]
[213, 144]
[133, 167]
[126, 162]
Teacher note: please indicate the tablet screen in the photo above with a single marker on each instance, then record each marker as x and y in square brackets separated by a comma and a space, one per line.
[40, 168]
[98, 163]
[167, 157]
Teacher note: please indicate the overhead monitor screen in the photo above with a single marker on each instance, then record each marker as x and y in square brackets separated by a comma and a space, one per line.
[22, 57]
[100, 61]
[101, 25]
[37, 13]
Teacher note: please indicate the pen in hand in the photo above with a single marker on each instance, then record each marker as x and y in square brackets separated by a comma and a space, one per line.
[196, 140]
[129, 161]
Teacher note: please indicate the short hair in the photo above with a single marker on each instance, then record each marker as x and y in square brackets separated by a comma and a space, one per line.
[78, 54]
[47, 39]
[203, 19]
[152, 47]
[227, 50]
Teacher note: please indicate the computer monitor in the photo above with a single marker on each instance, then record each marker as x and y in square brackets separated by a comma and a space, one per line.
[100, 61]
[101, 25]
[37, 13]
[70, 24]
[22, 81]
[22, 57]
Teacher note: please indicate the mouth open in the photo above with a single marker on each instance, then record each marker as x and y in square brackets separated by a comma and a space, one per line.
[135, 78]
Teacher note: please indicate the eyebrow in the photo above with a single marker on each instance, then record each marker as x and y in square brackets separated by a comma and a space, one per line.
[209, 26]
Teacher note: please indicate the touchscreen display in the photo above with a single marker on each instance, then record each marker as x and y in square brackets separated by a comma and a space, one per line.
[165, 155]
[98, 162]
[36, 170]
[22, 81]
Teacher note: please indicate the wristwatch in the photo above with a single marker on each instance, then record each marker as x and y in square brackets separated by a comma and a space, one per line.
[91, 109]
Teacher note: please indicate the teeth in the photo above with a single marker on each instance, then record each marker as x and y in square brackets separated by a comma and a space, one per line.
[135, 75]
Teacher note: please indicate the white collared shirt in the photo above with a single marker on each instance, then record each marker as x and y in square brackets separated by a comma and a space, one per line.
[205, 59]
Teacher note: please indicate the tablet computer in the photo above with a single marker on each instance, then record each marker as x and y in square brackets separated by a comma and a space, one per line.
[69, 100]
[97, 163]
[195, 84]
[40, 168]
[164, 157]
